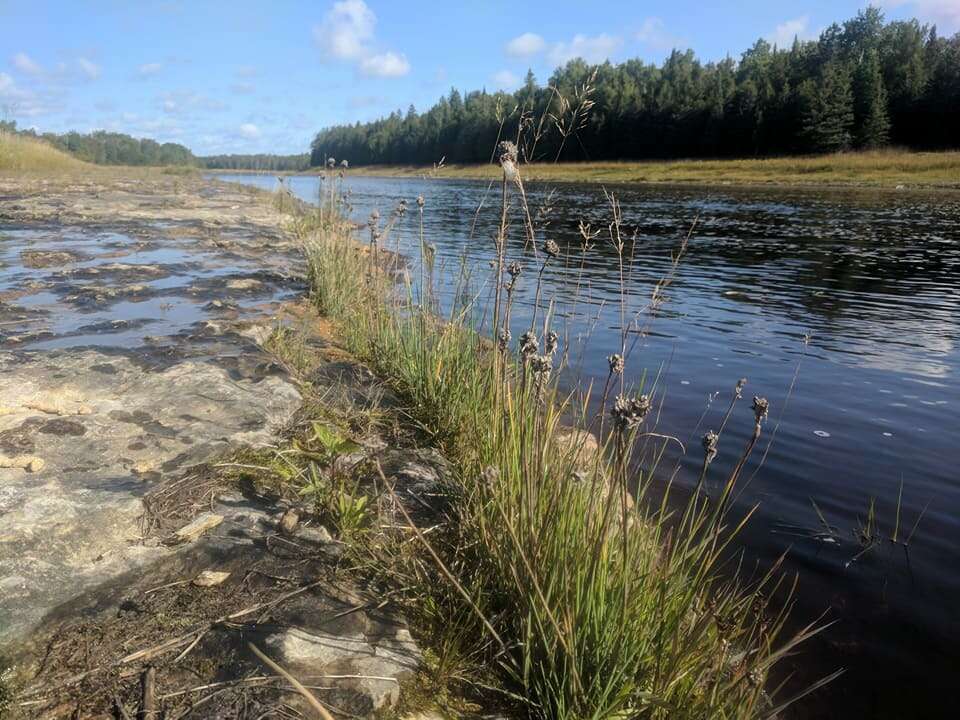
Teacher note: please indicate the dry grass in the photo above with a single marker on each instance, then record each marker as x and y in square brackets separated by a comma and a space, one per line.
[26, 154]
[885, 168]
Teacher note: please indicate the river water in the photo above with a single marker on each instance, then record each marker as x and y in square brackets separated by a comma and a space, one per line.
[873, 277]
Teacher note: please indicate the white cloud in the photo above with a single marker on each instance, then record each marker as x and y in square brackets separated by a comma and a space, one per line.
[526, 45]
[90, 69]
[249, 131]
[6, 82]
[346, 30]
[592, 49]
[347, 34]
[149, 69]
[25, 64]
[784, 33]
[505, 80]
[185, 102]
[945, 13]
[654, 35]
[388, 64]
[243, 88]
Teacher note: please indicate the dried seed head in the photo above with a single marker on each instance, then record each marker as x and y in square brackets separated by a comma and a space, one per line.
[616, 363]
[344, 164]
[738, 390]
[420, 201]
[515, 269]
[503, 339]
[331, 162]
[507, 152]
[761, 407]
[628, 413]
[491, 475]
[551, 248]
[541, 364]
[529, 345]
[710, 445]
[551, 342]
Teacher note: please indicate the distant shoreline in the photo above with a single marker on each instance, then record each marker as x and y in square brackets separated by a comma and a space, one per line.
[868, 170]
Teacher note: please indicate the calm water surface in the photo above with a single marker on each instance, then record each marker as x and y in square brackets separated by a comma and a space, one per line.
[874, 278]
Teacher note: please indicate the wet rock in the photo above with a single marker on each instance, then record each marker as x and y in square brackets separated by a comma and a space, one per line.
[244, 284]
[63, 427]
[36, 259]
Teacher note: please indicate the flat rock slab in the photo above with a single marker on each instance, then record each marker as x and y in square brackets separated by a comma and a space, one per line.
[126, 356]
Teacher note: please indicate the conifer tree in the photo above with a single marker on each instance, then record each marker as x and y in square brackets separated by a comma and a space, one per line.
[872, 116]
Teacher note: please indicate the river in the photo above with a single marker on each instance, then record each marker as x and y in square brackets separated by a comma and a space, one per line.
[865, 412]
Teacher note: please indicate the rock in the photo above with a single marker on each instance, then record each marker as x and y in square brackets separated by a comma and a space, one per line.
[288, 522]
[24, 462]
[42, 259]
[316, 534]
[210, 578]
[381, 663]
[581, 445]
[244, 284]
[198, 526]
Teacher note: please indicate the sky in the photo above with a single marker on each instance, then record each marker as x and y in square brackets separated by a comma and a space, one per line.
[244, 76]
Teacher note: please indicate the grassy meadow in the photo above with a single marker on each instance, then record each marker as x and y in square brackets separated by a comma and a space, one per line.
[20, 154]
[881, 168]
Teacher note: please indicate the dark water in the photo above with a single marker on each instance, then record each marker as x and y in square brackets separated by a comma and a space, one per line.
[874, 278]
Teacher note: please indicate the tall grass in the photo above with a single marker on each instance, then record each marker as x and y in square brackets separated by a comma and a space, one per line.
[589, 588]
[19, 153]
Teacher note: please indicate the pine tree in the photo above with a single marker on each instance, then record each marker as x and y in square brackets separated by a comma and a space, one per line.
[827, 121]
[872, 117]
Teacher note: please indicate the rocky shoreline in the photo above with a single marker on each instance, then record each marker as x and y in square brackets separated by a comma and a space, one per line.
[135, 324]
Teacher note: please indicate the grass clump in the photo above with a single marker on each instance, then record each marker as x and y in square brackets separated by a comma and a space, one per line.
[565, 569]
[27, 154]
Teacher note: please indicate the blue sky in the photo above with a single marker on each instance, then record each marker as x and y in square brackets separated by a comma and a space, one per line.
[243, 76]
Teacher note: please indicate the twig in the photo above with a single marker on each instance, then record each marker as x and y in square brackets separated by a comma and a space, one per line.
[148, 703]
[308, 696]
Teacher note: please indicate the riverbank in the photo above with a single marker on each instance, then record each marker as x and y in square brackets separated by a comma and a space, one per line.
[881, 169]
[161, 377]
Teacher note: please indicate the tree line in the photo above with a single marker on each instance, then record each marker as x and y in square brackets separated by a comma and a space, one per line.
[113, 148]
[260, 161]
[863, 84]
[110, 148]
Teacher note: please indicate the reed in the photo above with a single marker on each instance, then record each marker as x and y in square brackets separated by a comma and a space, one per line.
[566, 568]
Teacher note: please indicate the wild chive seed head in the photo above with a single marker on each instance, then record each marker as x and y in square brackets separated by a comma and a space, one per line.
[551, 342]
[616, 363]
[551, 248]
[709, 442]
[529, 345]
[761, 407]
[628, 413]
